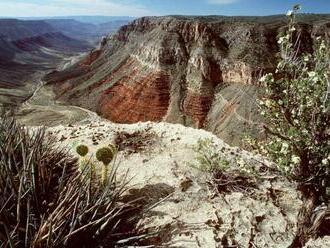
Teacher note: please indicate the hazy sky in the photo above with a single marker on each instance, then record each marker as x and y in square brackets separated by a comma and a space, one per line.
[24, 8]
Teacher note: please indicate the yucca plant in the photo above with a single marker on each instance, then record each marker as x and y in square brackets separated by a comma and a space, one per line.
[46, 202]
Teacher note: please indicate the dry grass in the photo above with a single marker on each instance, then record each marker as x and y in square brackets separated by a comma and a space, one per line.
[46, 202]
[135, 142]
[232, 181]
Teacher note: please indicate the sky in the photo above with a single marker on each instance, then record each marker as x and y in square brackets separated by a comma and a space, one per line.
[137, 8]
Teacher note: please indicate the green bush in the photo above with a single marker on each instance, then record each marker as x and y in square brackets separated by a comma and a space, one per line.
[209, 158]
[296, 107]
[234, 175]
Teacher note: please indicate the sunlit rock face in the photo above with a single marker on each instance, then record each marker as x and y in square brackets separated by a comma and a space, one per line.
[137, 97]
[197, 71]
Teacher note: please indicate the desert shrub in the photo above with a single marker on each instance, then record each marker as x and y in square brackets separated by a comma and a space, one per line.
[296, 107]
[208, 157]
[46, 202]
[228, 175]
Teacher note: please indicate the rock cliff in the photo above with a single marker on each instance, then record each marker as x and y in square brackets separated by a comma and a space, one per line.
[197, 71]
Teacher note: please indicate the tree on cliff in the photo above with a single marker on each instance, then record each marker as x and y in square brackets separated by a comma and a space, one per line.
[296, 107]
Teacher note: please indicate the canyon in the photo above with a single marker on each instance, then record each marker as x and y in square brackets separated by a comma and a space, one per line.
[153, 84]
[87, 29]
[29, 49]
[201, 72]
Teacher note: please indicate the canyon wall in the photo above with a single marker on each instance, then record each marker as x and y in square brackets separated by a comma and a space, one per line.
[197, 71]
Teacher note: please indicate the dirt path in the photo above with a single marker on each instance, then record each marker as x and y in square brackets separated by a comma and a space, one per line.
[42, 109]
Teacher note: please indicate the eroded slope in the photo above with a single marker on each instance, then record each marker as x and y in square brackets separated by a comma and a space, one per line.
[198, 71]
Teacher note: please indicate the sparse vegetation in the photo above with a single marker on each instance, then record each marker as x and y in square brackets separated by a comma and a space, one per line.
[46, 202]
[297, 109]
[135, 142]
[208, 157]
[233, 175]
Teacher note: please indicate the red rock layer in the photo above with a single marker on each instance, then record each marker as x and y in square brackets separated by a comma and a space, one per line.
[91, 57]
[197, 106]
[135, 98]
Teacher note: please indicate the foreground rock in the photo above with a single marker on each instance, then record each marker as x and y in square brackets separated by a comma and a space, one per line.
[189, 212]
[319, 243]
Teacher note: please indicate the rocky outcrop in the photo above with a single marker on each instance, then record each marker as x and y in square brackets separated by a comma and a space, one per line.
[197, 106]
[199, 65]
[189, 211]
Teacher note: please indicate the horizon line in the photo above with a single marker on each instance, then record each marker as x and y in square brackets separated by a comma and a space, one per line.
[58, 16]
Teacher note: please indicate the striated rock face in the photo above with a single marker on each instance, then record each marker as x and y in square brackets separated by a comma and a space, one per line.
[198, 71]
[91, 57]
[197, 106]
[137, 99]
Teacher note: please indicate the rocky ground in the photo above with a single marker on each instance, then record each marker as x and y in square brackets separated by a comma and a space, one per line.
[158, 160]
[191, 209]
